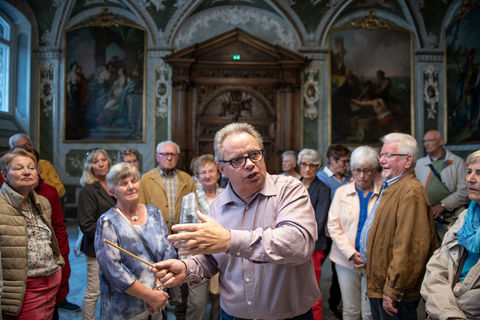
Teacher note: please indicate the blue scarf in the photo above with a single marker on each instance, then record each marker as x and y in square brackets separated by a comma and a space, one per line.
[469, 235]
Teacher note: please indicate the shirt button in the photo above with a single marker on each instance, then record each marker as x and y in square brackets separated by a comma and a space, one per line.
[249, 303]
[238, 254]
[247, 279]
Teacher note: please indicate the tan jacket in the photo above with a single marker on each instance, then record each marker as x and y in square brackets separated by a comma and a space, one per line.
[441, 301]
[400, 242]
[153, 191]
[13, 241]
[343, 219]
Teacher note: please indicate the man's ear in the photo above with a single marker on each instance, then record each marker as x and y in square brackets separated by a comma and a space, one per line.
[220, 167]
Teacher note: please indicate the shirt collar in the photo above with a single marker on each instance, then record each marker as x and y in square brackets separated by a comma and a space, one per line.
[172, 173]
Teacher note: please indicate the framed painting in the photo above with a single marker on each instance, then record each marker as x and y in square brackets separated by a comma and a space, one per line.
[104, 84]
[463, 77]
[370, 82]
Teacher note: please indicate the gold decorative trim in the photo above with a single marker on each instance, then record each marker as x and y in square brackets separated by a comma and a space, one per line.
[106, 19]
[371, 22]
[464, 10]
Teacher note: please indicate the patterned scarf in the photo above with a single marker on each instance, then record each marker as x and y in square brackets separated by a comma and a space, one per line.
[469, 235]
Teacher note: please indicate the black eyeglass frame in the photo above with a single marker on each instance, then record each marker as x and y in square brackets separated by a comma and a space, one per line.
[249, 156]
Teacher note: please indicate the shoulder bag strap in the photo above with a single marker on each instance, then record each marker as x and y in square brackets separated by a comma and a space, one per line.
[435, 172]
[460, 267]
[120, 213]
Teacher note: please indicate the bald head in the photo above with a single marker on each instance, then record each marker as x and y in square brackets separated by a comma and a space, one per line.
[433, 143]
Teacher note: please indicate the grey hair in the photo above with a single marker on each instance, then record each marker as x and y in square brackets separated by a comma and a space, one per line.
[405, 144]
[473, 157]
[87, 175]
[120, 171]
[125, 152]
[311, 155]
[15, 137]
[364, 154]
[290, 153]
[161, 144]
[236, 127]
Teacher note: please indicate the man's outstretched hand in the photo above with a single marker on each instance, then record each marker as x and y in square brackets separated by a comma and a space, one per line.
[206, 237]
[170, 272]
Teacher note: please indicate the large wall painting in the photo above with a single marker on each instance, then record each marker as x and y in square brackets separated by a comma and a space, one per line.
[370, 79]
[104, 85]
[463, 78]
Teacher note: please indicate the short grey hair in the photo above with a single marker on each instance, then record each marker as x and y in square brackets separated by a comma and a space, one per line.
[311, 155]
[120, 171]
[15, 137]
[364, 155]
[236, 127]
[405, 142]
[87, 175]
[125, 152]
[290, 153]
[161, 144]
[473, 157]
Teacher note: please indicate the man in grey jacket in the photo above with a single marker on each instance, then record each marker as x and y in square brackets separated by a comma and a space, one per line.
[443, 175]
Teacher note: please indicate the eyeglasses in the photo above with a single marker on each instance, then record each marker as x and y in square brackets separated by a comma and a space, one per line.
[366, 171]
[388, 155]
[344, 161]
[308, 165]
[167, 154]
[239, 162]
[207, 173]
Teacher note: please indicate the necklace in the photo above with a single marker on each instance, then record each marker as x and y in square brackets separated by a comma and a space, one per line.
[134, 217]
[29, 206]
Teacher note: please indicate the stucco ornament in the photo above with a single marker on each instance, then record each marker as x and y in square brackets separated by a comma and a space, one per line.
[430, 90]
[47, 88]
[311, 93]
[162, 90]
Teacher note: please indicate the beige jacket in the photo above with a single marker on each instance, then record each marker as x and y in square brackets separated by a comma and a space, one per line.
[153, 191]
[441, 301]
[13, 245]
[343, 219]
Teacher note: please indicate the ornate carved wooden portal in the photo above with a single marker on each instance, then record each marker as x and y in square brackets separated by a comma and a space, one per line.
[236, 77]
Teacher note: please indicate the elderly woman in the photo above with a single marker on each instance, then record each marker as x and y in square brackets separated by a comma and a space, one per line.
[127, 287]
[349, 210]
[310, 161]
[206, 173]
[289, 164]
[31, 259]
[451, 287]
[94, 200]
[129, 155]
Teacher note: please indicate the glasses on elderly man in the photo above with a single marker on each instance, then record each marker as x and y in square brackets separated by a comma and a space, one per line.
[167, 154]
[308, 165]
[239, 162]
[389, 155]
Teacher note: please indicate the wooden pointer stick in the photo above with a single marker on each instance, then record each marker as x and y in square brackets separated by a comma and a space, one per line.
[130, 254]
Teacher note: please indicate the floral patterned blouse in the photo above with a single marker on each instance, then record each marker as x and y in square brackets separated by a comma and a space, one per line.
[118, 271]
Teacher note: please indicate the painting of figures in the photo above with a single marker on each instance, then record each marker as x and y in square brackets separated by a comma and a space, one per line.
[104, 94]
[370, 79]
[463, 79]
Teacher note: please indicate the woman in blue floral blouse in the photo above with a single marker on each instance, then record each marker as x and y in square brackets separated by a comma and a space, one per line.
[127, 287]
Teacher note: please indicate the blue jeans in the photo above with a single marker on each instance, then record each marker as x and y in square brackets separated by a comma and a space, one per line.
[406, 310]
[306, 316]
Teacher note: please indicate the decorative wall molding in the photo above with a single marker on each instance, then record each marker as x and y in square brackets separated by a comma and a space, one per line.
[47, 89]
[311, 92]
[163, 89]
[431, 87]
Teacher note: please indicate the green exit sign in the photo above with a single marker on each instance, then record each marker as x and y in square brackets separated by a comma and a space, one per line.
[236, 57]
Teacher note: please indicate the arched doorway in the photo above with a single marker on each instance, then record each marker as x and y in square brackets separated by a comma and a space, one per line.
[236, 77]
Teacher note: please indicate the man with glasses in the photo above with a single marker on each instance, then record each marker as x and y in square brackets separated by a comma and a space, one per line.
[260, 236]
[442, 174]
[164, 187]
[398, 236]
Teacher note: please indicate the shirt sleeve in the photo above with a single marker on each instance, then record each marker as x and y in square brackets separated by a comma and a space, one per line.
[291, 240]
[335, 228]
[87, 210]
[50, 177]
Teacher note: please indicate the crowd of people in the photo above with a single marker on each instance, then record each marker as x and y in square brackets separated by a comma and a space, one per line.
[396, 229]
